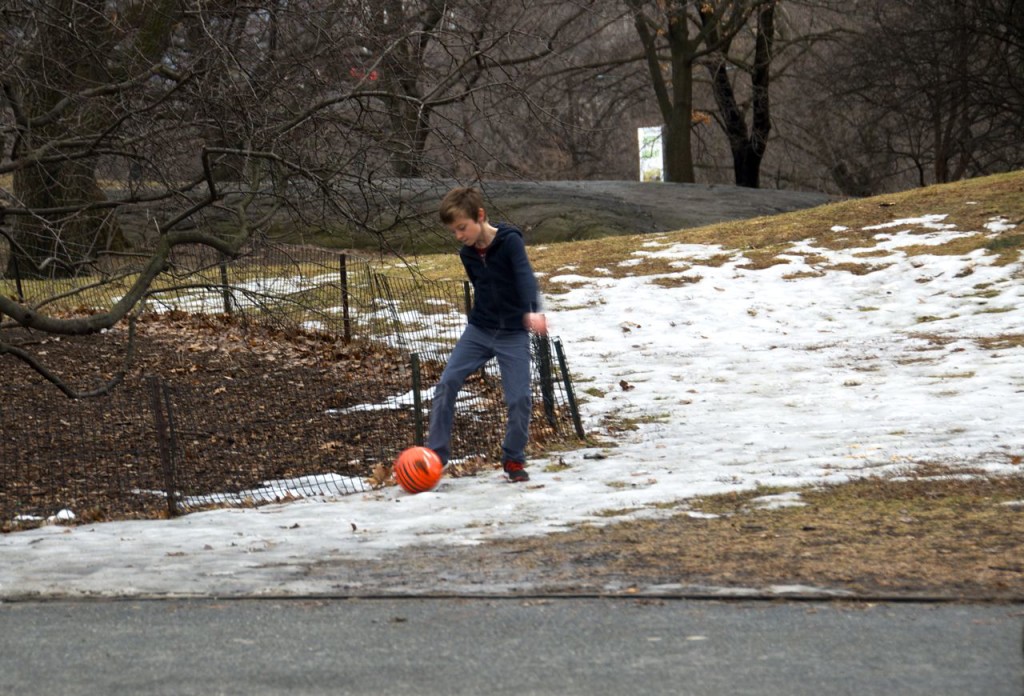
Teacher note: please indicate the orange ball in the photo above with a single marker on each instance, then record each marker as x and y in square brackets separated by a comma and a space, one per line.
[418, 469]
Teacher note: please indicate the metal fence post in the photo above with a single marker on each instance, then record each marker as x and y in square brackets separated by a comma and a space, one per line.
[417, 401]
[569, 394]
[225, 288]
[3, 271]
[346, 321]
[542, 347]
[159, 401]
[13, 262]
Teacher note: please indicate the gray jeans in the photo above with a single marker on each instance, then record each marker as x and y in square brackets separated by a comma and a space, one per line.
[474, 348]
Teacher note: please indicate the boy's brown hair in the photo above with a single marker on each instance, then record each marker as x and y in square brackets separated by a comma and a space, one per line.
[460, 201]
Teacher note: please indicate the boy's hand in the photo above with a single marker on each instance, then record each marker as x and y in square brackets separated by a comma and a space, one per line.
[536, 323]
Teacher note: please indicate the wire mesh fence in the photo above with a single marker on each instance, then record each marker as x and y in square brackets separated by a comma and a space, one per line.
[174, 440]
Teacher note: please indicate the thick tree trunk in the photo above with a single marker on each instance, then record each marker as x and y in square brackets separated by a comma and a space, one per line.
[410, 128]
[59, 244]
[677, 150]
[676, 105]
[747, 166]
[748, 145]
[63, 233]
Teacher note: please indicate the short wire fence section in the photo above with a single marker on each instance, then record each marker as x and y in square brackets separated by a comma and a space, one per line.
[328, 424]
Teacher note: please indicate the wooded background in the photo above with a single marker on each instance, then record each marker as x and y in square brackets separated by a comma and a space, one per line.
[128, 127]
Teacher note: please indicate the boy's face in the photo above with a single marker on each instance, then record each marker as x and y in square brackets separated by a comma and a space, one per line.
[467, 230]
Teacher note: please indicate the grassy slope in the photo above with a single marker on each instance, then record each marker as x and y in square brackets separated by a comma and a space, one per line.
[923, 535]
[967, 204]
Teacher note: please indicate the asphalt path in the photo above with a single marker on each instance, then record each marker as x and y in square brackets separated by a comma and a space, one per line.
[620, 207]
[509, 646]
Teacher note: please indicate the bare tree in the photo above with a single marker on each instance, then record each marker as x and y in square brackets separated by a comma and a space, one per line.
[747, 144]
[1002, 89]
[137, 126]
[676, 35]
[919, 93]
[576, 113]
[63, 92]
[437, 62]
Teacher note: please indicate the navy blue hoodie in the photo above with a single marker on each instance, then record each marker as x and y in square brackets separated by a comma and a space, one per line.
[504, 286]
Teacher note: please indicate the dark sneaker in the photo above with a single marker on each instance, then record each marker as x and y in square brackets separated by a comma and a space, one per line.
[515, 472]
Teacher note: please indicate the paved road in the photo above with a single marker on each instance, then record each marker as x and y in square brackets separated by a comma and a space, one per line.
[623, 207]
[509, 646]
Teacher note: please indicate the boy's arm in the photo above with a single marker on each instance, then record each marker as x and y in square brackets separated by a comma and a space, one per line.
[526, 285]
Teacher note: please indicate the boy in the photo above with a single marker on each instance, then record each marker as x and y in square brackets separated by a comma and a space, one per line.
[505, 310]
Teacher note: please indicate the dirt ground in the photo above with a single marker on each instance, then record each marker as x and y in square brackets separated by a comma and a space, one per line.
[250, 399]
[925, 538]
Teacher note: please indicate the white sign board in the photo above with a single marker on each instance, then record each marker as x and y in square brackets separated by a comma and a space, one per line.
[652, 163]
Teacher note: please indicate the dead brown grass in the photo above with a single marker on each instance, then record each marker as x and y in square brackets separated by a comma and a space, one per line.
[928, 533]
[967, 204]
[1001, 341]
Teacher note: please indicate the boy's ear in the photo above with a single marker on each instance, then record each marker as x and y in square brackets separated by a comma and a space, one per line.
[481, 214]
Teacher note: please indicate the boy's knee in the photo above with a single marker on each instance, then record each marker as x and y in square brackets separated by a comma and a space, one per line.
[520, 401]
[440, 389]
[448, 383]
